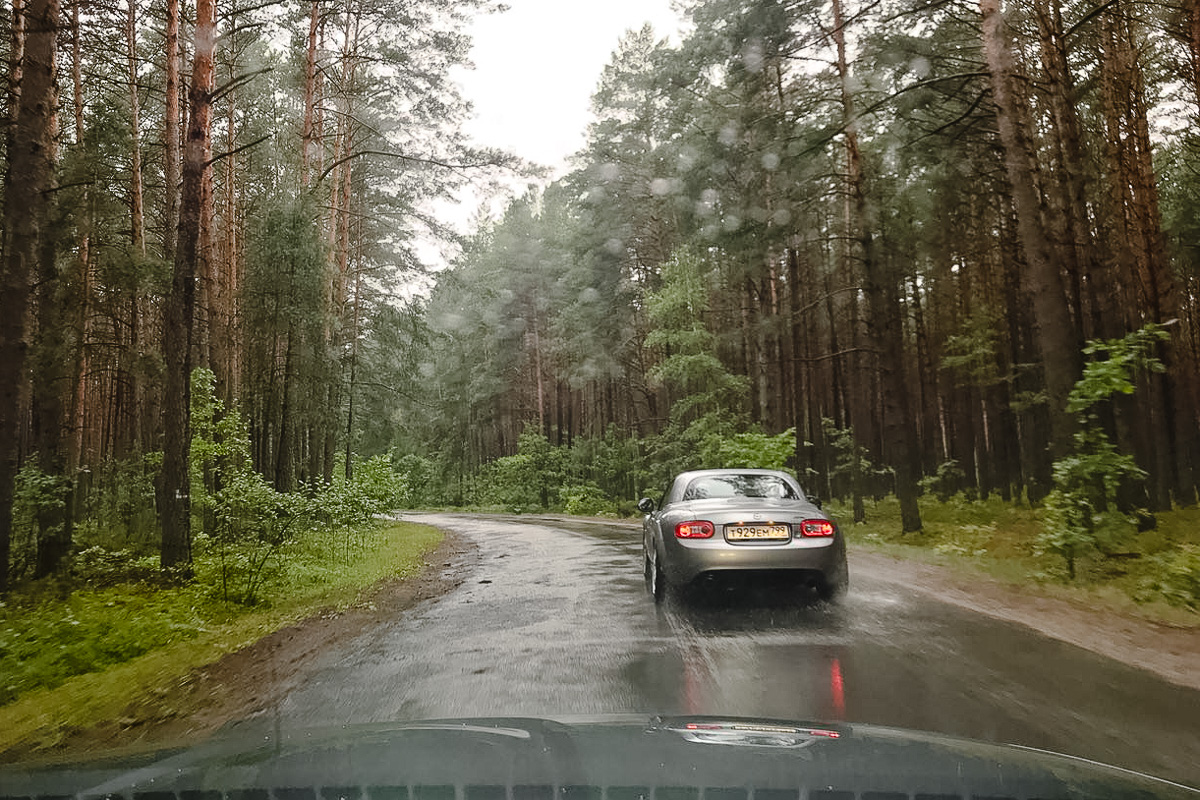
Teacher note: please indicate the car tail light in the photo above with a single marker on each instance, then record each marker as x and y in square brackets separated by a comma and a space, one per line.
[817, 527]
[696, 529]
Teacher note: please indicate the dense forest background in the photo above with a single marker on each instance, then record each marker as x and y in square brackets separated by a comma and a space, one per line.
[896, 246]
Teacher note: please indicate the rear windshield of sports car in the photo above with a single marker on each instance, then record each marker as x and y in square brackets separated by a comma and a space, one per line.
[710, 487]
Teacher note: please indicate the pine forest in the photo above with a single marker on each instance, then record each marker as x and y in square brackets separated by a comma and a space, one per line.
[899, 247]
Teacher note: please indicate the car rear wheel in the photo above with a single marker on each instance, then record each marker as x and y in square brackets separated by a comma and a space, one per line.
[832, 590]
[656, 582]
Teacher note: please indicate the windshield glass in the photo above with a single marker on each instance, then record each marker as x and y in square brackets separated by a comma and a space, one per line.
[726, 486]
[830, 363]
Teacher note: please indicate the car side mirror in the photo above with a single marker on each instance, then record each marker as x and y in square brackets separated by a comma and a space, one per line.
[645, 505]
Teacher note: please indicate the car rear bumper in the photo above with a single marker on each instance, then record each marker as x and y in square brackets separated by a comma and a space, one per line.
[684, 561]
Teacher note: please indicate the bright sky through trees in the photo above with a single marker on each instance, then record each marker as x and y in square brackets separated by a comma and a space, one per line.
[537, 64]
[536, 67]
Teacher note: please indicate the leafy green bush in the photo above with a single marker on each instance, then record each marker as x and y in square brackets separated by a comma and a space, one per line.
[750, 450]
[588, 500]
[1082, 513]
[966, 540]
[531, 478]
[1176, 579]
[379, 484]
[118, 505]
[614, 462]
[33, 489]
[252, 523]
[242, 521]
[946, 482]
[417, 477]
[96, 567]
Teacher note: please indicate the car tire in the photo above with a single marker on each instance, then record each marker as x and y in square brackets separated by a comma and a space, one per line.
[833, 590]
[656, 581]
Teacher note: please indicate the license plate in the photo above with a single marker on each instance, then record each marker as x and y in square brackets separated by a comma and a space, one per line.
[757, 533]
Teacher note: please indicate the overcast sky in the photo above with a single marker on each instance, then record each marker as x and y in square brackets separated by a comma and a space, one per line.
[537, 64]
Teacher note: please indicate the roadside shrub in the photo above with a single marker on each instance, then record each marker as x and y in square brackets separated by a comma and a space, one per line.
[417, 475]
[96, 567]
[749, 450]
[243, 521]
[33, 491]
[1083, 513]
[966, 540]
[378, 484]
[374, 489]
[588, 500]
[613, 462]
[529, 479]
[1176, 579]
[252, 524]
[946, 482]
[336, 505]
[117, 505]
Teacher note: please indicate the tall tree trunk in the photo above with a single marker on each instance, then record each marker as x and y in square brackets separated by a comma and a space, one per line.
[174, 501]
[1058, 338]
[171, 138]
[285, 468]
[927, 393]
[136, 204]
[1169, 409]
[221, 264]
[340, 220]
[1077, 245]
[137, 226]
[883, 299]
[51, 383]
[231, 258]
[28, 190]
[81, 301]
[1192, 15]
[309, 135]
[147, 315]
[860, 406]
[801, 367]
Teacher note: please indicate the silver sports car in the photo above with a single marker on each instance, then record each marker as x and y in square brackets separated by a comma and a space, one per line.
[746, 520]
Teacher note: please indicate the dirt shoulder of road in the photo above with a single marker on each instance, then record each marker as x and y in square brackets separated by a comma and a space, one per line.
[1169, 651]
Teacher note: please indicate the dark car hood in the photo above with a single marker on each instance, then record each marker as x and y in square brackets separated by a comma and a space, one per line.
[625, 758]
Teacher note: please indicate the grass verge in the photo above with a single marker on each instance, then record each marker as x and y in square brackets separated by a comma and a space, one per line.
[73, 661]
[999, 540]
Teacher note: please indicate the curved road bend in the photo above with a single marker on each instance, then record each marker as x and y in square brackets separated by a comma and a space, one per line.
[555, 622]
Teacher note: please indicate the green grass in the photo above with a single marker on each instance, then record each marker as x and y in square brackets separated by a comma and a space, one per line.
[73, 660]
[1156, 576]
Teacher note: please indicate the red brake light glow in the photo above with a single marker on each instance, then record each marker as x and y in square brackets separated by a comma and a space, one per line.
[816, 527]
[696, 529]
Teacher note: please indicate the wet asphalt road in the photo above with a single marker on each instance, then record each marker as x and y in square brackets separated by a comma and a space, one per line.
[555, 622]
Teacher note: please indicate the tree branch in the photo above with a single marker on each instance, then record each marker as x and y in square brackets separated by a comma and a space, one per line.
[235, 151]
[414, 159]
[236, 82]
[1088, 17]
